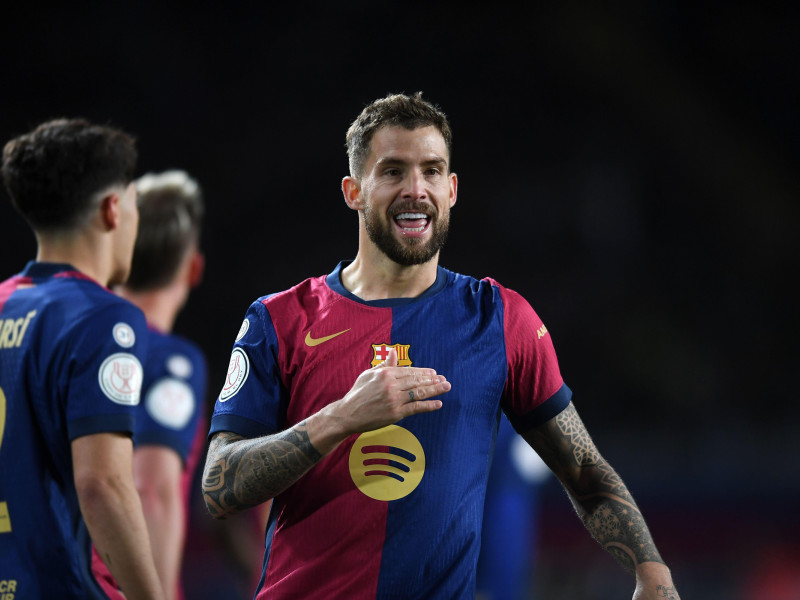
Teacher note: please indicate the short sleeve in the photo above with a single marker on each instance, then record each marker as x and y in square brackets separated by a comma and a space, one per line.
[535, 391]
[252, 401]
[173, 395]
[103, 365]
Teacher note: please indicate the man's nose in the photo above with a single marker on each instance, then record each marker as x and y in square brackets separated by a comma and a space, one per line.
[414, 185]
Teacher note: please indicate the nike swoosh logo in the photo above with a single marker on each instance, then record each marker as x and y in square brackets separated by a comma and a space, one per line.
[317, 341]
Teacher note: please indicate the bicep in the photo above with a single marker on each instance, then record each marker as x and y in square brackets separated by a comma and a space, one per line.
[101, 454]
[564, 445]
[157, 469]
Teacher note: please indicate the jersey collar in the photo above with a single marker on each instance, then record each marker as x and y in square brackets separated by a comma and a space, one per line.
[334, 281]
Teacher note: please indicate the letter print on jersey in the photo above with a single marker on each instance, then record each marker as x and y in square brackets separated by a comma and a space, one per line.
[120, 378]
[238, 370]
[388, 463]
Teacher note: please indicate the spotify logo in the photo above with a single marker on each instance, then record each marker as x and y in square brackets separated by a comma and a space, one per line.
[387, 464]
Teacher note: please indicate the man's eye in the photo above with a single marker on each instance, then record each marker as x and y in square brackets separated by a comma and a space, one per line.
[392, 172]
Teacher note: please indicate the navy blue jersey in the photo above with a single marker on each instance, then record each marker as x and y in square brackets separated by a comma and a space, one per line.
[392, 513]
[173, 392]
[71, 355]
[172, 414]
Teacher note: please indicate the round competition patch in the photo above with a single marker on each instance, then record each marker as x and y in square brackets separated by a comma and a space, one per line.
[238, 370]
[179, 366]
[243, 329]
[120, 378]
[170, 402]
[388, 463]
[123, 334]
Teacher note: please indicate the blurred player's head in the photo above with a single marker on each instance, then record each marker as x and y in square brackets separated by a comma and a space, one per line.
[58, 173]
[170, 220]
[399, 110]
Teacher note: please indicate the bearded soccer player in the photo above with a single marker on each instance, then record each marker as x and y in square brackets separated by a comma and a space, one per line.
[366, 401]
[71, 355]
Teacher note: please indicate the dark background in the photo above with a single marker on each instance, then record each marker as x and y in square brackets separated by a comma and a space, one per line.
[630, 169]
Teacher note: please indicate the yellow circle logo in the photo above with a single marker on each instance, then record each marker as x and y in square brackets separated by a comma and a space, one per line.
[388, 463]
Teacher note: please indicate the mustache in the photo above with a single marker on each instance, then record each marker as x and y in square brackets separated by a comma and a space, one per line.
[417, 207]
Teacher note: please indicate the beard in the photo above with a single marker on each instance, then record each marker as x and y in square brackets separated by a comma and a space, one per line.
[409, 251]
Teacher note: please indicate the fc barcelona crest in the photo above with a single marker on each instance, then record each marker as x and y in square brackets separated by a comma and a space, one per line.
[380, 352]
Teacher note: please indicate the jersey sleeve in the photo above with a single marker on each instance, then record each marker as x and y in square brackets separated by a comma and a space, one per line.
[253, 399]
[103, 367]
[172, 396]
[535, 391]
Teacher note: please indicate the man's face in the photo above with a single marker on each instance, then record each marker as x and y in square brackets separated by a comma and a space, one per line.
[407, 191]
[126, 235]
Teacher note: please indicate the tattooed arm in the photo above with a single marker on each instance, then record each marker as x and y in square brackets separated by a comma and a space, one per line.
[603, 502]
[241, 473]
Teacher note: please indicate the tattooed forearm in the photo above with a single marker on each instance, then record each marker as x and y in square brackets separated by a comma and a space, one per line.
[242, 473]
[599, 495]
[612, 517]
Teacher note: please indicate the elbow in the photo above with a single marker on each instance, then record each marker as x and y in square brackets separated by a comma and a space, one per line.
[215, 506]
[96, 492]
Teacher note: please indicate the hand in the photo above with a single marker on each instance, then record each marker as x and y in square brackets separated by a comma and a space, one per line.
[654, 582]
[386, 393]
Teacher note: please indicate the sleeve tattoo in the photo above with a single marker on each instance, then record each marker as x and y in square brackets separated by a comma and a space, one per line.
[241, 473]
[599, 495]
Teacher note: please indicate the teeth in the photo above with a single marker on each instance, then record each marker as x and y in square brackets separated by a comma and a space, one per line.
[411, 216]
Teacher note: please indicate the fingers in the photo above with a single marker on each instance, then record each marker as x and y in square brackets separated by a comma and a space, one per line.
[417, 396]
[424, 406]
[391, 359]
[413, 385]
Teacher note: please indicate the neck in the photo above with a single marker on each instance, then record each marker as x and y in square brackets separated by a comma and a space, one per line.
[380, 278]
[88, 255]
[160, 307]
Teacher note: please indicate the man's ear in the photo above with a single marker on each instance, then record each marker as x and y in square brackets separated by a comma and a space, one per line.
[351, 188]
[197, 265]
[109, 211]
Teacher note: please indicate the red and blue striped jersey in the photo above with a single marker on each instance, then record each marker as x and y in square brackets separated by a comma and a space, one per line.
[392, 513]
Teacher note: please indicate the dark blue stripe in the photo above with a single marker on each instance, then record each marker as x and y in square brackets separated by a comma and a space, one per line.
[239, 425]
[100, 424]
[544, 412]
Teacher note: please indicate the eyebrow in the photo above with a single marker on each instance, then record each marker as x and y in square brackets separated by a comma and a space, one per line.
[394, 160]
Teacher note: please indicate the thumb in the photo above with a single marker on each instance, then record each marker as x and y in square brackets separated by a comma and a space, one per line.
[391, 359]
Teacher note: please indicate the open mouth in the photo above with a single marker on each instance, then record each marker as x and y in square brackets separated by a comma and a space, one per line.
[412, 222]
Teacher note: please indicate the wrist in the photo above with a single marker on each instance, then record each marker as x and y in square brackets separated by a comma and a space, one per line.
[326, 429]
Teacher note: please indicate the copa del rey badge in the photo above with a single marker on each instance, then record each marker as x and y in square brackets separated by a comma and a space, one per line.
[238, 370]
[120, 378]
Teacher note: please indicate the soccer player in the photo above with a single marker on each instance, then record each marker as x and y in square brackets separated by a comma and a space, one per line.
[71, 355]
[170, 430]
[365, 402]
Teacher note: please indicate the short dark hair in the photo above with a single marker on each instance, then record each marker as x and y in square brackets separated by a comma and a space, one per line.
[399, 110]
[53, 173]
[170, 219]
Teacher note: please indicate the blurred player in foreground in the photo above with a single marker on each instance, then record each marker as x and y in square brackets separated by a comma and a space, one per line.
[71, 355]
[510, 532]
[170, 427]
[365, 402]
